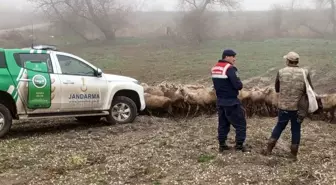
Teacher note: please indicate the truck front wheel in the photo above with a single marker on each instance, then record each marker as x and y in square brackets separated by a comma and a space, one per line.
[123, 110]
[5, 120]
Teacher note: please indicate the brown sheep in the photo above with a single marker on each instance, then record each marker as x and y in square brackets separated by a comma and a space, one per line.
[153, 91]
[329, 104]
[189, 98]
[257, 101]
[195, 87]
[243, 94]
[202, 98]
[271, 100]
[199, 96]
[144, 85]
[164, 86]
[245, 97]
[271, 97]
[176, 98]
[175, 94]
[154, 102]
[171, 91]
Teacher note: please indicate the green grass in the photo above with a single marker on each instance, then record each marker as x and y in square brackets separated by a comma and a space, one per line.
[157, 60]
[204, 158]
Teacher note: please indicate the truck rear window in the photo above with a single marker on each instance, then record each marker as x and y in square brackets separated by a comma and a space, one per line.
[21, 58]
[2, 60]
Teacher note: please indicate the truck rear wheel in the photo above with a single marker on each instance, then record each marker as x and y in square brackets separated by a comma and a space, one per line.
[123, 110]
[5, 120]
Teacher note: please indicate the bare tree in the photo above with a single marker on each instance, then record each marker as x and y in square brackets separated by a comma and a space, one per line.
[202, 5]
[195, 22]
[324, 5]
[292, 5]
[330, 5]
[107, 15]
[55, 12]
[277, 16]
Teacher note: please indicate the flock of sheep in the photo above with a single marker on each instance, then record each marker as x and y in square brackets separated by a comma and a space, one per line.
[177, 100]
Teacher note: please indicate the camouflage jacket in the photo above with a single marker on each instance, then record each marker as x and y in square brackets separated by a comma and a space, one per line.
[291, 87]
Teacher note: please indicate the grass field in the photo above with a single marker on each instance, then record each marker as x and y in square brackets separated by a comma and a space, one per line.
[160, 151]
[153, 61]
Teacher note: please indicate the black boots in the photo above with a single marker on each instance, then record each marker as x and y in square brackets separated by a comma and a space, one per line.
[294, 151]
[238, 147]
[223, 146]
[242, 148]
[270, 145]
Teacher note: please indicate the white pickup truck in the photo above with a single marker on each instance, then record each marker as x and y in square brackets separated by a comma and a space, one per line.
[42, 82]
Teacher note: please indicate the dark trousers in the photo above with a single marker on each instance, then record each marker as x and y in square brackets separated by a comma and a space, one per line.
[283, 118]
[234, 115]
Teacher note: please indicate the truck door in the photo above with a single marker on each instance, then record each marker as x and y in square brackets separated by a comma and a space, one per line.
[37, 85]
[82, 90]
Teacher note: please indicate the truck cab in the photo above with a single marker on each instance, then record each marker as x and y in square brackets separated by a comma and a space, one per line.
[42, 82]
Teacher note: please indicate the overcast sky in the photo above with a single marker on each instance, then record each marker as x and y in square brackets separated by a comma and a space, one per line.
[246, 5]
[172, 4]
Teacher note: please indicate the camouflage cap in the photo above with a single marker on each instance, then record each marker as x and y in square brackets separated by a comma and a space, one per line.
[292, 56]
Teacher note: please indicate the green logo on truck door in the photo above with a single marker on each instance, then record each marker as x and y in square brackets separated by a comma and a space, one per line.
[39, 81]
[39, 86]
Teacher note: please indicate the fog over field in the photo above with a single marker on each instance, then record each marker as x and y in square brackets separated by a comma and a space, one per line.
[173, 44]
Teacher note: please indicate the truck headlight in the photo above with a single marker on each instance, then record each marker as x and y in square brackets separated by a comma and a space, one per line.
[137, 82]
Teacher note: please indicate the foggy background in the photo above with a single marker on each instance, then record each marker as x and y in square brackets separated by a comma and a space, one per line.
[170, 5]
[183, 21]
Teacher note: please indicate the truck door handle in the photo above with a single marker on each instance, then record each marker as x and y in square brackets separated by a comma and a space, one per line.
[68, 82]
[25, 80]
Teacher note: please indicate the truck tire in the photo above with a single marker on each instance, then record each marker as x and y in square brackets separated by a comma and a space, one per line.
[89, 119]
[123, 110]
[6, 120]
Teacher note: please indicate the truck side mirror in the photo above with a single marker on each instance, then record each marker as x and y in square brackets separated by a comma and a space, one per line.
[99, 72]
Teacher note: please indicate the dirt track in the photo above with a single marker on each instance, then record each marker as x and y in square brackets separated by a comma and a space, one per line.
[159, 151]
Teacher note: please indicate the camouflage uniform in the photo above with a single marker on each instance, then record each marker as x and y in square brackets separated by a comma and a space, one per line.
[292, 103]
[292, 87]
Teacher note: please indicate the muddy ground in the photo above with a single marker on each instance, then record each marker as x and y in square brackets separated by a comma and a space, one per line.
[160, 151]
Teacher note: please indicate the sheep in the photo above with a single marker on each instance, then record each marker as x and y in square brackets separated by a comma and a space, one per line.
[144, 85]
[206, 96]
[153, 91]
[168, 90]
[329, 104]
[243, 95]
[188, 98]
[176, 96]
[171, 91]
[202, 98]
[166, 85]
[194, 87]
[179, 99]
[271, 97]
[155, 102]
[257, 100]
[271, 100]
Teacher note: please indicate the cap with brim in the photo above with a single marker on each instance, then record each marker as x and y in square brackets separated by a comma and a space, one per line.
[229, 52]
[292, 56]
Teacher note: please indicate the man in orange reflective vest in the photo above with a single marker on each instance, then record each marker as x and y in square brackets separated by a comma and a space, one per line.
[227, 85]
